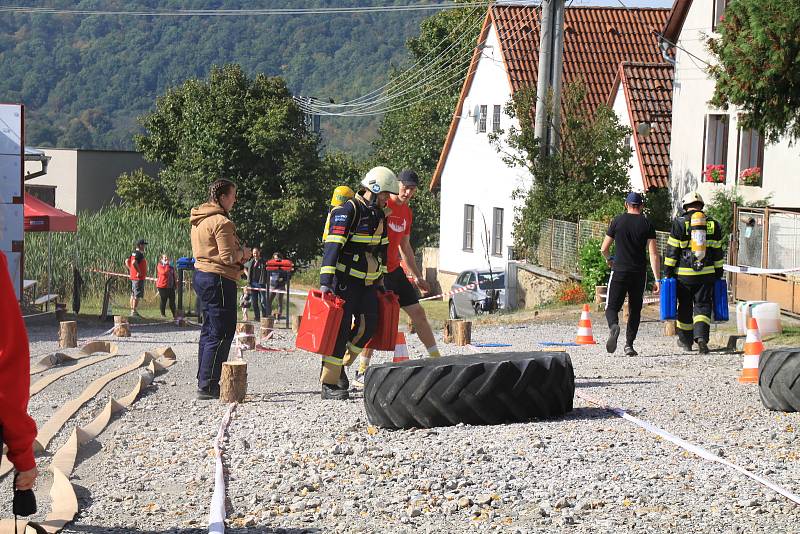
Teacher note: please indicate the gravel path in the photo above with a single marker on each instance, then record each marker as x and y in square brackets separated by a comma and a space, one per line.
[298, 464]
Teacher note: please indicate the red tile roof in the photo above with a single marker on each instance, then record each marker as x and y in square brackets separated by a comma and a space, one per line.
[648, 93]
[596, 41]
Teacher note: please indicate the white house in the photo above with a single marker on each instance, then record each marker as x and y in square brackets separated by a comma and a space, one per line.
[703, 135]
[476, 186]
[642, 100]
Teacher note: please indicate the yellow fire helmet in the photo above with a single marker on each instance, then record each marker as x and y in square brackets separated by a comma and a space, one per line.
[341, 195]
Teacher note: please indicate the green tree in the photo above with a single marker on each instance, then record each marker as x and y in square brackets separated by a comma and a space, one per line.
[758, 68]
[139, 190]
[412, 135]
[589, 170]
[251, 131]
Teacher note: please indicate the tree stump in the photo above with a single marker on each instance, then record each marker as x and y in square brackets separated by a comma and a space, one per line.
[458, 331]
[233, 381]
[296, 323]
[246, 335]
[121, 326]
[267, 324]
[669, 328]
[68, 335]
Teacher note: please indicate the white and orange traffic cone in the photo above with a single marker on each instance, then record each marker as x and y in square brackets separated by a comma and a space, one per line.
[585, 336]
[753, 347]
[400, 348]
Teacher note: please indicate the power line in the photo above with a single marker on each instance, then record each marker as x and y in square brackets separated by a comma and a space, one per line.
[238, 12]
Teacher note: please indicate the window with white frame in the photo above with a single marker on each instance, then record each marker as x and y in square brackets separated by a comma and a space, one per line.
[716, 147]
[719, 12]
[497, 232]
[482, 119]
[496, 119]
[751, 157]
[469, 219]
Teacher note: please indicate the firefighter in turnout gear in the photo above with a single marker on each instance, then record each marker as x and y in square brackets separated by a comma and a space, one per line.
[353, 264]
[695, 257]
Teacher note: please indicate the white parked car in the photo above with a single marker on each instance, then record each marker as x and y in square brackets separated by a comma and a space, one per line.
[487, 294]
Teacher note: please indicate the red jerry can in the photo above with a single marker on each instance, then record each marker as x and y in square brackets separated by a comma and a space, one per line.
[388, 318]
[320, 323]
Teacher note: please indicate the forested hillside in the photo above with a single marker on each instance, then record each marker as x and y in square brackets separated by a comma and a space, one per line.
[86, 79]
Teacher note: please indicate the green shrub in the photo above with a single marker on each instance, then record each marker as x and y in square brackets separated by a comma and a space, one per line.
[104, 240]
[593, 267]
[608, 210]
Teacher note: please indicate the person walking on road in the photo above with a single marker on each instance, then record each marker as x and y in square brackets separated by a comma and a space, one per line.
[695, 257]
[399, 221]
[218, 266]
[634, 235]
[165, 284]
[137, 269]
[17, 428]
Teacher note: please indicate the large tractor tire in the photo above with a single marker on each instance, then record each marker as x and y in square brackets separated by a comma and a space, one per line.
[779, 379]
[485, 389]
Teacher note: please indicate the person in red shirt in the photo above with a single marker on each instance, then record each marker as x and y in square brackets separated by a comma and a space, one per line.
[165, 284]
[398, 221]
[137, 267]
[18, 429]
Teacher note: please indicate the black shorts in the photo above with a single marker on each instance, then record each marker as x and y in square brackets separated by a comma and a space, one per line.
[396, 281]
[137, 289]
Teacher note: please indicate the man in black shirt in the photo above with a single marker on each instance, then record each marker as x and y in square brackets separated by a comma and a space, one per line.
[633, 233]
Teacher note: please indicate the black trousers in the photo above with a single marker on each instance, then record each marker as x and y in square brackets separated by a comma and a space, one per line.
[695, 300]
[360, 311]
[620, 285]
[167, 295]
[218, 297]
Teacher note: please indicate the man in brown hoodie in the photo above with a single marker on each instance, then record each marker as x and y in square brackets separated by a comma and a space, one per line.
[218, 265]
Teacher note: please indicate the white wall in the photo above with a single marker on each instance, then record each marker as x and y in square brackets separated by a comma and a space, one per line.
[693, 90]
[62, 172]
[621, 109]
[474, 172]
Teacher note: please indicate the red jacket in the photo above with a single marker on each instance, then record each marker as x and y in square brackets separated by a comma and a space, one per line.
[166, 276]
[19, 429]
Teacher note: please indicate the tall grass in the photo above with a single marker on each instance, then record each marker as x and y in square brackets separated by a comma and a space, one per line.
[103, 241]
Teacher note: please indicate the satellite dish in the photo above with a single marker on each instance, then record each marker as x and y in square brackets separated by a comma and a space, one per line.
[644, 129]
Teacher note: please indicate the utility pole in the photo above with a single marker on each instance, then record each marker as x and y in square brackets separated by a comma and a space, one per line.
[551, 54]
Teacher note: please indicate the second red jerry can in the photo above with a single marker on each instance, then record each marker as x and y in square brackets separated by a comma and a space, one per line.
[320, 323]
[388, 319]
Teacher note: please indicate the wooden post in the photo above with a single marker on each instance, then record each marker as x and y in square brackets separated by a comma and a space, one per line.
[458, 331]
[600, 295]
[669, 328]
[246, 335]
[267, 324]
[68, 335]
[121, 326]
[233, 381]
[296, 323]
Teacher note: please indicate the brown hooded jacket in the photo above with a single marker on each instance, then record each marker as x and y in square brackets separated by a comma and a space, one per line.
[215, 246]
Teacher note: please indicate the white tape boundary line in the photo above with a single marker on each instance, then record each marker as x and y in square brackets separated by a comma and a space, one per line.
[695, 449]
[64, 502]
[447, 294]
[217, 512]
[744, 269]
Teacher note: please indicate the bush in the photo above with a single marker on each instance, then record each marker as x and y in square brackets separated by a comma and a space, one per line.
[571, 293]
[608, 210]
[104, 240]
[593, 266]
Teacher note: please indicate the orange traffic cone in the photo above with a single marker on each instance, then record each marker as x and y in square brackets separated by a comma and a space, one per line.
[752, 352]
[400, 348]
[585, 336]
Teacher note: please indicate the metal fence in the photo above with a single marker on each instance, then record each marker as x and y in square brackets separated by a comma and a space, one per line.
[560, 243]
[782, 229]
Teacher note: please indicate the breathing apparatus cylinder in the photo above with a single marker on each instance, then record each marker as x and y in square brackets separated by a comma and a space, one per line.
[698, 239]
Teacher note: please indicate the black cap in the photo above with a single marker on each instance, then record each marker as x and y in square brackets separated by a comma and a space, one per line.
[141, 242]
[408, 177]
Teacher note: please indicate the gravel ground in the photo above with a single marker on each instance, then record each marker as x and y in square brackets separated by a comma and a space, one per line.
[298, 464]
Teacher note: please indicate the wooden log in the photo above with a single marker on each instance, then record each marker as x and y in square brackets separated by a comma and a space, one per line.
[233, 381]
[246, 335]
[447, 333]
[296, 323]
[669, 328]
[121, 326]
[68, 335]
[267, 324]
[462, 332]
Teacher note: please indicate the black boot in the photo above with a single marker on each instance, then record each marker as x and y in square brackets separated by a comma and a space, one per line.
[344, 382]
[702, 346]
[334, 392]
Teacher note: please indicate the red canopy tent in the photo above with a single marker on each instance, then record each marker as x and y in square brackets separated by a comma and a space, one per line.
[42, 217]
